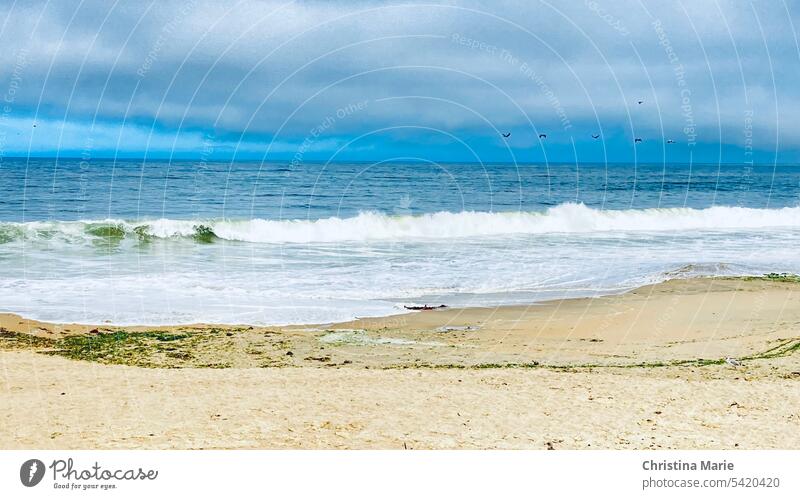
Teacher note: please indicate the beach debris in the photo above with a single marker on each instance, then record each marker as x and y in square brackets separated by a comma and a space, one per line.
[733, 362]
[447, 329]
[423, 307]
[360, 337]
[550, 446]
[700, 270]
[290, 353]
[319, 359]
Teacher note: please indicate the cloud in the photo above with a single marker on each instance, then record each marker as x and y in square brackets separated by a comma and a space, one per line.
[262, 71]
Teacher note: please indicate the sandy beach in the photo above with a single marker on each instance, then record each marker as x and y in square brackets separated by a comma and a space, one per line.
[644, 369]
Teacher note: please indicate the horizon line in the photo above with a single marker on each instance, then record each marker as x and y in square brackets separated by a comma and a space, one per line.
[398, 160]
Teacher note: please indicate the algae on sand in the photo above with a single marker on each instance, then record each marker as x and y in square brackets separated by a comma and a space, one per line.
[775, 277]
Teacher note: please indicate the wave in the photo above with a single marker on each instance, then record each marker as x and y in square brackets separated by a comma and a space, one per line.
[369, 226]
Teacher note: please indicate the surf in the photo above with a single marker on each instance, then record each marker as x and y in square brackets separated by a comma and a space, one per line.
[571, 218]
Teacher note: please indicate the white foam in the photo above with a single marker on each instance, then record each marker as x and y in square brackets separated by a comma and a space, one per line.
[565, 218]
[355, 267]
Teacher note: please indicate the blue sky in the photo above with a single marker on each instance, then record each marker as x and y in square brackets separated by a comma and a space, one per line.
[370, 80]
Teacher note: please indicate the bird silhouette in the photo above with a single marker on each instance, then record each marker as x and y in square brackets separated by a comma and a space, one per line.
[636, 140]
[595, 136]
[542, 135]
[507, 135]
[640, 102]
[670, 141]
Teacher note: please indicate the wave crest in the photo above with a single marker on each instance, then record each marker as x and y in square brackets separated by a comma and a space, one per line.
[565, 218]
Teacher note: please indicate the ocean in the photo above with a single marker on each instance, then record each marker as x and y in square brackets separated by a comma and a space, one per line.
[154, 242]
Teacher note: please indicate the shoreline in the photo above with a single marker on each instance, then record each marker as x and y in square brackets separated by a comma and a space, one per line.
[8, 317]
[679, 320]
[642, 370]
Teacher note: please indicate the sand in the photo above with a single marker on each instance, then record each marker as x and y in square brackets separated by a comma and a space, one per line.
[638, 370]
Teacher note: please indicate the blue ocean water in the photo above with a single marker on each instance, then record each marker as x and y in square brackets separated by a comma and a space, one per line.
[44, 189]
[177, 242]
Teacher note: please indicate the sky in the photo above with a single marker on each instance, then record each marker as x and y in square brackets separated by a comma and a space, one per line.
[408, 81]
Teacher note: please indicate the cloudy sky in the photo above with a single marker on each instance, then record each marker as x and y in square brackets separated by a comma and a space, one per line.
[376, 80]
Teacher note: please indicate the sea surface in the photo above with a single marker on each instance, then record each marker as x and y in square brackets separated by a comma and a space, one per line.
[149, 242]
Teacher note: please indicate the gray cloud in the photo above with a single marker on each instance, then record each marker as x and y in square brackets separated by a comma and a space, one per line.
[261, 68]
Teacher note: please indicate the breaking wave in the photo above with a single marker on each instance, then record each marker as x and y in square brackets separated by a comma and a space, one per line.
[367, 226]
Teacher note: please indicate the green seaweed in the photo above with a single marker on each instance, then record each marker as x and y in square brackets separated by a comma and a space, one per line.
[785, 348]
[775, 277]
[13, 340]
[119, 347]
[208, 347]
[161, 336]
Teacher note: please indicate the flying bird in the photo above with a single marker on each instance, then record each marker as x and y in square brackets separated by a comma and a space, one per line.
[507, 135]
[595, 136]
[636, 140]
[542, 135]
[670, 141]
[640, 102]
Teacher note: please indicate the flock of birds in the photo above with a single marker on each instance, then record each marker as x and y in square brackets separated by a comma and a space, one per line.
[544, 135]
[594, 136]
